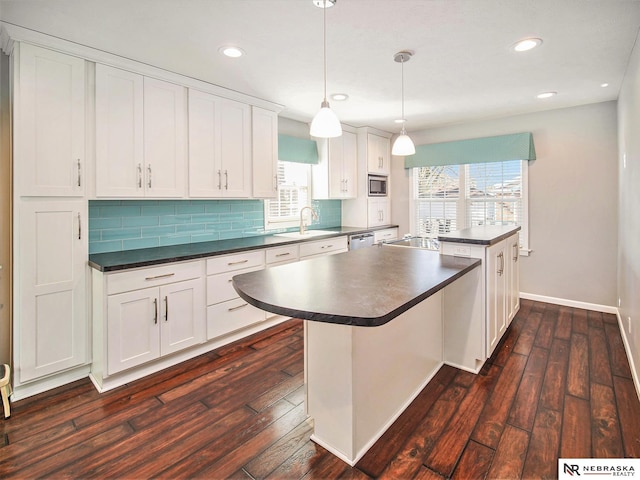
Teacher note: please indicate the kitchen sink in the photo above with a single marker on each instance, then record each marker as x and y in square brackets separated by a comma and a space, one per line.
[307, 234]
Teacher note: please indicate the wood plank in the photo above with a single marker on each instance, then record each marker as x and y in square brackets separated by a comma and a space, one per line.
[383, 451]
[525, 341]
[329, 466]
[563, 324]
[610, 318]
[449, 447]
[542, 456]
[579, 322]
[505, 347]
[576, 428]
[599, 367]
[629, 415]
[555, 378]
[274, 394]
[494, 415]
[427, 474]
[545, 332]
[605, 430]
[523, 411]
[297, 396]
[474, 462]
[578, 372]
[407, 461]
[617, 354]
[510, 454]
[594, 319]
[298, 464]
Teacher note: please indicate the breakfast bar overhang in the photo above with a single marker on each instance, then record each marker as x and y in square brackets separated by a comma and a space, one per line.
[380, 322]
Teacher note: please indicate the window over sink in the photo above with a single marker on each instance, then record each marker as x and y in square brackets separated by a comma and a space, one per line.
[294, 193]
[452, 197]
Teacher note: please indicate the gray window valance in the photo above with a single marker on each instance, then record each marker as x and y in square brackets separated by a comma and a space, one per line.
[516, 146]
[298, 150]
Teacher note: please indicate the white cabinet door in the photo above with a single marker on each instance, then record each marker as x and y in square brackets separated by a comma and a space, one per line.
[49, 123]
[336, 177]
[119, 133]
[235, 149]
[378, 153]
[51, 315]
[349, 165]
[164, 138]
[264, 133]
[219, 147]
[379, 212]
[512, 261]
[496, 290]
[133, 333]
[183, 318]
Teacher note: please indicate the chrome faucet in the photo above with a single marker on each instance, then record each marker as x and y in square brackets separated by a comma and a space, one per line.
[303, 226]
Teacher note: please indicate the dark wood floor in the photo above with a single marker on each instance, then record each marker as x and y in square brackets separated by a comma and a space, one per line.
[559, 384]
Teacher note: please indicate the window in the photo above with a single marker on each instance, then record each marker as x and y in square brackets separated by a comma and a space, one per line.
[452, 197]
[293, 194]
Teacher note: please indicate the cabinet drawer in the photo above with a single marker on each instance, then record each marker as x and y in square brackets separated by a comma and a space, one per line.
[385, 235]
[153, 276]
[227, 317]
[219, 287]
[323, 246]
[288, 253]
[237, 261]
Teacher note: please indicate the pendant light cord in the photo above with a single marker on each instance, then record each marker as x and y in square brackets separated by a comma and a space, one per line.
[324, 53]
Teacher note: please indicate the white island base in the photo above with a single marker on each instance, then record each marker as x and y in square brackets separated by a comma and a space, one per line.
[360, 379]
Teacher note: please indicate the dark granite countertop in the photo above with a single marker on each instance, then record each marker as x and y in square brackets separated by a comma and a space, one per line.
[366, 287]
[487, 235]
[145, 257]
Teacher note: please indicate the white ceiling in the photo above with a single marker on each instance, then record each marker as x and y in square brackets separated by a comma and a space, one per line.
[462, 69]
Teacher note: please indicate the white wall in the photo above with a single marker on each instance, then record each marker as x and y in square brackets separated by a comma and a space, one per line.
[572, 198]
[629, 208]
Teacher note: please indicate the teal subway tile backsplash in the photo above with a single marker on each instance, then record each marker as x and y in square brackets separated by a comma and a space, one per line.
[117, 225]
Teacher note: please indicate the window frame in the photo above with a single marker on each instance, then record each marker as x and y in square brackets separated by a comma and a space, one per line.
[292, 220]
[461, 211]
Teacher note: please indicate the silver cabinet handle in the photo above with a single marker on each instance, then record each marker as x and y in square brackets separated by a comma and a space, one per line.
[139, 176]
[164, 275]
[516, 252]
[219, 180]
[79, 227]
[237, 308]
[237, 263]
[327, 246]
[149, 179]
[79, 174]
[346, 185]
[501, 267]
[283, 254]
[226, 180]
[166, 308]
[155, 308]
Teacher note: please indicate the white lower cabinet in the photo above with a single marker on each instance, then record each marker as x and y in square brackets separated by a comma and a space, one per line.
[143, 324]
[320, 248]
[226, 311]
[496, 286]
[385, 235]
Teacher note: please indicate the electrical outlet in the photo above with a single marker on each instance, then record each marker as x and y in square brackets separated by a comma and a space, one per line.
[629, 324]
[619, 302]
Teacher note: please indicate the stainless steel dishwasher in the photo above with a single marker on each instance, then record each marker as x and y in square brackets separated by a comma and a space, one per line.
[360, 240]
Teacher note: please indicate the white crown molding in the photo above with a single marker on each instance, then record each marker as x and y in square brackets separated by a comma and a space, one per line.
[10, 33]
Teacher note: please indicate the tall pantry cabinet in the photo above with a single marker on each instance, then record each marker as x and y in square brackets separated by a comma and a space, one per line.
[50, 216]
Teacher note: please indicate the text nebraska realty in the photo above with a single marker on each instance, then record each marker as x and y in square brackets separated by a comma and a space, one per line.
[613, 470]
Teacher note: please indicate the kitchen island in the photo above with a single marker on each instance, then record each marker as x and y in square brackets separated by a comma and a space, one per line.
[374, 332]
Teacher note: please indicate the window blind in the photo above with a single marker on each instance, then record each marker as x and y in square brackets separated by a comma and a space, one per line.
[293, 192]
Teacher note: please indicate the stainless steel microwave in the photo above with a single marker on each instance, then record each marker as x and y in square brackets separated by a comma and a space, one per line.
[377, 186]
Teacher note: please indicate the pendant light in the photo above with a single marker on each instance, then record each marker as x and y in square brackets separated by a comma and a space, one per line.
[325, 124]
[403, 146]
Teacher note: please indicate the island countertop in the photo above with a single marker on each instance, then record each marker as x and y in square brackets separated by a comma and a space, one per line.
[483, 235]
[366, 287]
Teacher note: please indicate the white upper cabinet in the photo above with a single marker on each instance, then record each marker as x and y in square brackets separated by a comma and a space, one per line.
[49, 123]
[264, 133]
[119, 133]
[140, 136]
[335, 176]
[165, 156]
[219, 147]
[378, 154]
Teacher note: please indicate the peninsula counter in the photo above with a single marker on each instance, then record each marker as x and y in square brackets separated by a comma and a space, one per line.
[375, 324]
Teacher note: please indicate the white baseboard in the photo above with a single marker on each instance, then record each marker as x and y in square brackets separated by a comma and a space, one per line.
[569, 303]
[632, 365]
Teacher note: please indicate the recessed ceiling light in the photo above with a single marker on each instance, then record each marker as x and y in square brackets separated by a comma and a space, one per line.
[547, 94]
[527, 44]
[231, 51]
[604, 85]
[339, 97]
[324, 3]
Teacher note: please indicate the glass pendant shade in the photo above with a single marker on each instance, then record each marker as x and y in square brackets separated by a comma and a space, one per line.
[403, 145]
[325, 124]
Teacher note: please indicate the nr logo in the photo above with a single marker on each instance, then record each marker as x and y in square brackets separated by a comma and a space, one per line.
[571, 469]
